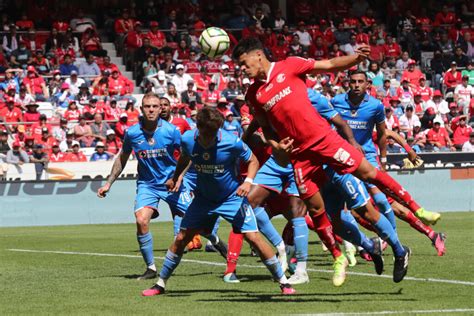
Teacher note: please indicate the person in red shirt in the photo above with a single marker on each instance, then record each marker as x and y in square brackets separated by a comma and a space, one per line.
[122, 125]
[11, 114]
[181, 124]
[157, 38]
[280, 50]
[111, 111]
[452, 77]
[73, 112]
[35, 85]
[438, 137]
[120, 85]
[25, 23]
[425, 92]
[202, 80]
[368, 19]
[76, 155]
[37, 128]
[124, 24]
[46, 139]
[56, 155]
[210, 96]
[320, 51]
[412, 74]
[392, 50]
[107, 65]
[112, 142]
[92, 108]
[132, 113]
[444, 17]
[134, 39]
[461, 131]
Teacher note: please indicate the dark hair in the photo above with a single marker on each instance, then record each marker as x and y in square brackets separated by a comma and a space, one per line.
[209, 118]
[246, 45]
[358, 72]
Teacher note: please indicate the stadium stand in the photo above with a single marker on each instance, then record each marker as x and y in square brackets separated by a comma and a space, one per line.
[75, 77]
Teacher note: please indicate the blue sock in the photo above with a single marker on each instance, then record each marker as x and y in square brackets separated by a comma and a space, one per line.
[351, 232]
[382, 203]
[171, 262]
[146, 248]
[389, 234]
[266, 228]
[176, 224]
[216, 227]
[274, 267]
[300, 233]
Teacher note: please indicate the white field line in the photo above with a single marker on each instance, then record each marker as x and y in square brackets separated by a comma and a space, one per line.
[428, 311]
[211, 263]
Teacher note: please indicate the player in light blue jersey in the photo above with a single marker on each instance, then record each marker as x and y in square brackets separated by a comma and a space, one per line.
[154, 142]
[215, 154]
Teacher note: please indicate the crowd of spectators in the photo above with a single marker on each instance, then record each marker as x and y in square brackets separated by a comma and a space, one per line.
[421, 68]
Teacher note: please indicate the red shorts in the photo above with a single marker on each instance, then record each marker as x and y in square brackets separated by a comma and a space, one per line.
[332, 150]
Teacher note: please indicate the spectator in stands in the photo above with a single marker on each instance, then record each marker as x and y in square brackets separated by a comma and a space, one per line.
[89, 68]
[231, 92]
[123, 24]
[387, 89]
[53, 40]
[56, 155]
[392, 147]
[231, 125]
[438, 137]
[112, 112]
[438, 104]
[72, 43]
[303, 35]
[425, 91]
[4, 148]
[40, 159]
[16, 156]
[72, 113]
[211, 96]
[55, 83]
[222, 78]
[461, 131]
[391, 121]
[438, 68]
[168, 64]
[41, 63]
[460, 57]
[122, 125]
[133, 41]
[463, 93]
[412, 74]
[59, 132]
[35, 85]
[181, 53]
[467, 45]
[100, 154]
[108, 65]
[74, 82]
[132, 113]
[452, 77]
[20, 57]
[76, 155]
[31, 114]
[23, 98]
[375, 74]
[84, 95]
[160, 85]
[408, 120]
[150, 66]
[83, 133]
[190, 97]
[99, 128]
[81, 23]
[67, 66]
[37, 127]
[180, 79]
[113, 143]
[469, 71]
[156, 38]
[402, 64]
[469, 145]
[63, 97]
[405, 93]
[12, 79]
[120, 86]
[11, 114]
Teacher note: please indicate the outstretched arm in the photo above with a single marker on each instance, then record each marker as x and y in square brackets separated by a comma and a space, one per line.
[341, 63]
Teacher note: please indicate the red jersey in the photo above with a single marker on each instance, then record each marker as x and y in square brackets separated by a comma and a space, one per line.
[452, 80]
[283, 99]
[75, 157]
[413, 77]
[210, 96]
[461, 134]
[35, 84]
[120, 86]
[112, 114]
[425, 92]
[12, 116]
[440, 136]
[113, 146]
[181, 124]
[392, 50]
[72, 115]
[59, 157]
[279, 52]
[157, 39]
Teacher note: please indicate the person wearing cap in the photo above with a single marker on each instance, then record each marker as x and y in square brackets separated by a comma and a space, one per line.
[452, 77]
[181, 79]
[469, 145]
[63, 97]
[232, 91]
[113, 143]
[120, 86]
[211, 95]
[438, 137]
[31, 115]
[438, 105]
[122, 125]
[231, 125]
[192, 119]
[425, 91]
[11, 113]
[461, 131]
[190, 97]
[159, 82]
[76, 155]
[222, 105]
[222, 77]
[405, 93]
[100, 154]
[408, 120]
[391, 120]
[56, 155]
[17, 156]
[157, 38]
[93, 108]
[463, 93]
[412, 74]
[35, 85]
[84, 94]
[40, 158]
[74, 82]
[46, 139]
[451, 115]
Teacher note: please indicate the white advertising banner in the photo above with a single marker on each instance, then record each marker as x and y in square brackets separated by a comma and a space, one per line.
[67, 170]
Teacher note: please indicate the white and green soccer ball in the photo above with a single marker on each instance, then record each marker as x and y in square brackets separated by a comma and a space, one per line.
[214, 42]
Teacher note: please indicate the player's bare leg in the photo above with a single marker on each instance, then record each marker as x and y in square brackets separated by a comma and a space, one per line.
[323, 227]
[437, 239]
[368, 173]
[145, 241]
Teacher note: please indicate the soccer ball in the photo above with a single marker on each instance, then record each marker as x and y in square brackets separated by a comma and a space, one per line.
[214, 42]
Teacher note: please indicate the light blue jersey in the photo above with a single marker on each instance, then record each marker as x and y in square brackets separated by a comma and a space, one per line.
[322, 105]
[233, 127]
[216, 167]
[362, 119]
[154, 152]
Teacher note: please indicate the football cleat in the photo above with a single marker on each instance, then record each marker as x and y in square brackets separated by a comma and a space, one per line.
[154, 290]
[149, 274]
[438, 242]
[377, 255]
[339, 266]
[299, 277]
[350, 251]
[283, 262]
[231, 278]
[365, 255]
[221, 247]
[400, 266]
[209, 247]
[427, 217]
[287, 289]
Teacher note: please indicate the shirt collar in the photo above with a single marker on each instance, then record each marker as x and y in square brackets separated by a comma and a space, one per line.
[270, 71]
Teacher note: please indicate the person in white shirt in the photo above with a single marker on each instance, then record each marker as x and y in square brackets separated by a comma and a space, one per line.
[440, 106]
[74, 83]
[469, 145]
[463, 93]
[408, 120]
[305, 37]
[159, 82]
[180, 79]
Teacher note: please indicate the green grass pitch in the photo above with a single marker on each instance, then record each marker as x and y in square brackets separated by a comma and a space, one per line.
[84, 282]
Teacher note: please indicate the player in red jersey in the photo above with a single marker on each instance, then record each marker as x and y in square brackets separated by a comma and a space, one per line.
[299, 133]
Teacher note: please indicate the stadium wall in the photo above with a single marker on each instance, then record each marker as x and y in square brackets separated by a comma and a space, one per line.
[44, 203]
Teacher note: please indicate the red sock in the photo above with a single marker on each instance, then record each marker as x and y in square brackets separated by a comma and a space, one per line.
[366, 224]
[324, 230]
[235, 246]
[309, 222]
[392, 188]
[414, 222]
[338, 238]
[288, 234]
